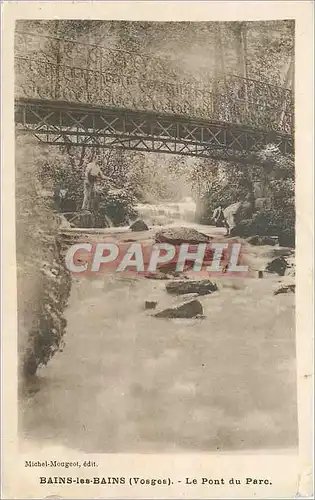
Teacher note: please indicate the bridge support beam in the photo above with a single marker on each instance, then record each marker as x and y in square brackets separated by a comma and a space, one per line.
[61, 123]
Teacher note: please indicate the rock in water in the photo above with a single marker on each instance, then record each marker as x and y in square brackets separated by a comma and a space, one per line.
[201, 287]
[157, 276]
[178, 235]
[170, 268]
[150, 304]
[285, 289]
[278, 265]
[262, 240]
[189, 309]
[139, 225]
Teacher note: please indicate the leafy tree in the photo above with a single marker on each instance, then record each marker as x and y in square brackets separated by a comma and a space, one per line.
[230, 183]
[168, 66]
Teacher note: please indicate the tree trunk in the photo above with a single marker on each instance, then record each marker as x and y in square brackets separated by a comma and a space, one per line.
[57, 90]
[242, 59]
[221, 56]
[244, 63]
[82, 156]
[287, 84]
[216, 84]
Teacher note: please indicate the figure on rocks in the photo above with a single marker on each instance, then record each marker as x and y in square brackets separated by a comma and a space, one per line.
[218, 217]
[232, 215]
[93, 172]
[60, 197]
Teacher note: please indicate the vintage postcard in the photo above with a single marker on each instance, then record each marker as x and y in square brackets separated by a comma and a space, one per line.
[157, 196]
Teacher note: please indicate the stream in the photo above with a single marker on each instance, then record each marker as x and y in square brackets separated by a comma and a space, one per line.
[129, 382]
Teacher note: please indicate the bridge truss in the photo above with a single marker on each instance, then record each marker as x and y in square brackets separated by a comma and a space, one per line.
[64, 124]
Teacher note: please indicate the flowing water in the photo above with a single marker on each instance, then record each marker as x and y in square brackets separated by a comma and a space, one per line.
[129, 382]
[168, 212]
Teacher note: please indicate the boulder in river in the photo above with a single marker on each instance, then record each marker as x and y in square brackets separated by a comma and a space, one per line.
[278, 265]
[191, 309]
[285, 289]
[139, 225]
[201, 287]
[157, 276]
[262, 240]
[178, 235]
[150, 304]
[170, 269]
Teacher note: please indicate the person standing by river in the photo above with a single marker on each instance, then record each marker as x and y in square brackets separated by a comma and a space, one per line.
[92, 173]
[218, 217]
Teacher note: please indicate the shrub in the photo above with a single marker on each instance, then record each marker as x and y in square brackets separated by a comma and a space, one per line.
[118, 205]
[66, 170]
[230, 183]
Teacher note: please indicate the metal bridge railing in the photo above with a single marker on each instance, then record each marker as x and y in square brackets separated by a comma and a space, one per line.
[50, 68]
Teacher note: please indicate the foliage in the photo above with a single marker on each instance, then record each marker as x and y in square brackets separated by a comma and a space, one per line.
[230, 183]
[225, 185]
[131, 177]
[271, 222]
[118, 205]
[178, 53]
[65, 169]
[159, 66]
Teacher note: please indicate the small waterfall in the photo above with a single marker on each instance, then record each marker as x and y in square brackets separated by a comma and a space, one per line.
[167, 212]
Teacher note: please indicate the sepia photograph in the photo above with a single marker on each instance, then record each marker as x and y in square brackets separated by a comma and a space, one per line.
[155, 235]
